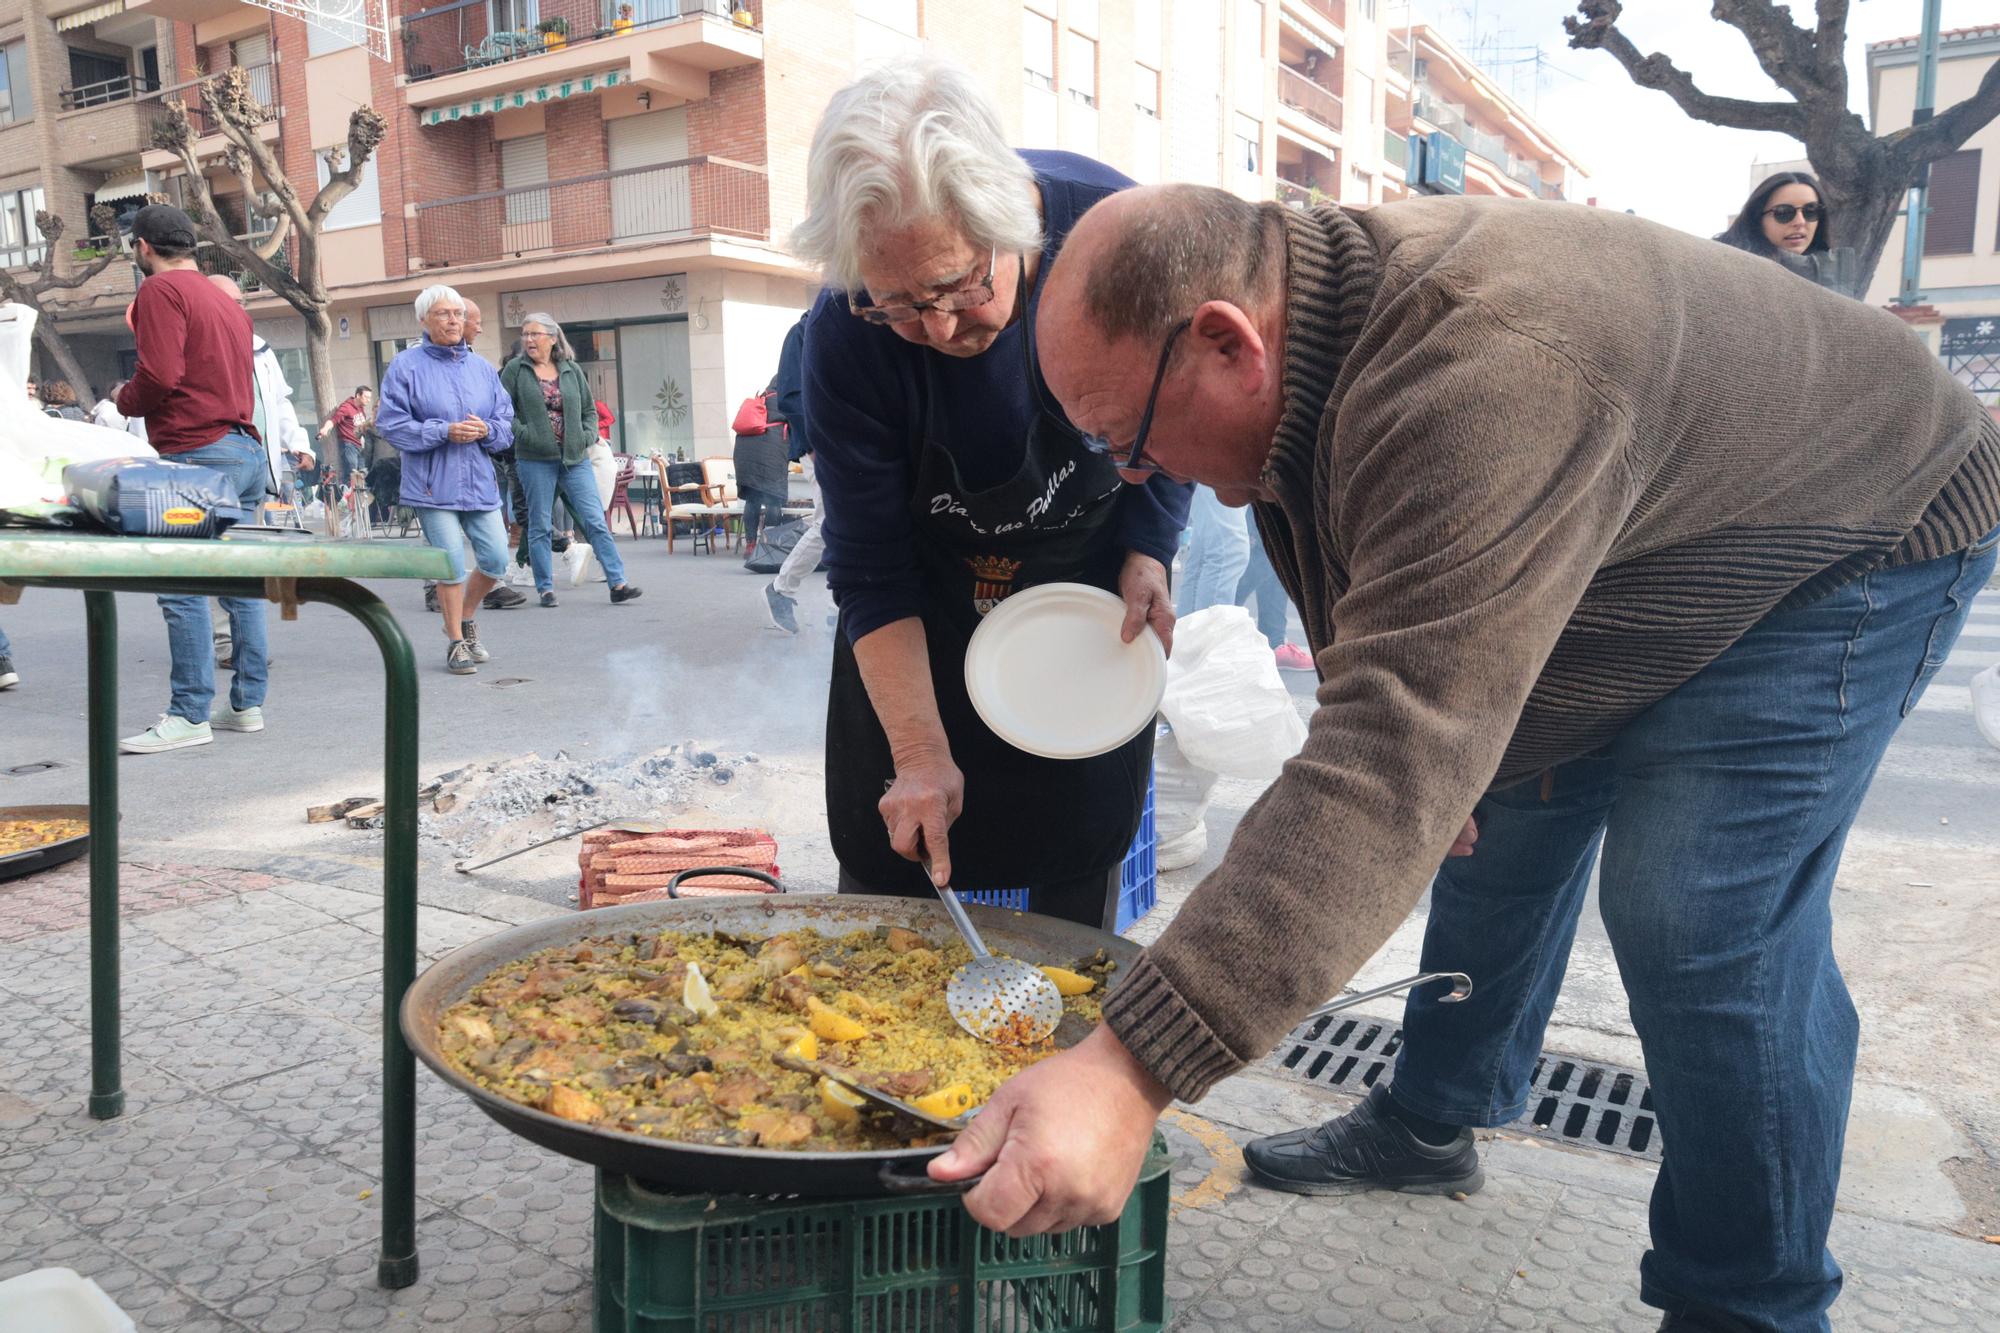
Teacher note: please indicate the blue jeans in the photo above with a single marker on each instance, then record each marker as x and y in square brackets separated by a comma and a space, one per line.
[6, 649]
[1261, 582]
[452, 530]
[578, 484]
[1219, 542]
[191, 631]
[1720, 812]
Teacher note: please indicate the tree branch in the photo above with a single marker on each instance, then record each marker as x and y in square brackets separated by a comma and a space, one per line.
[1830, 48]
[365, 130]
[1598, 30]
[1943, 133]
[1783, 49]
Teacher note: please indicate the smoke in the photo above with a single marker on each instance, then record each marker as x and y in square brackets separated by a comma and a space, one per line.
[751, 690]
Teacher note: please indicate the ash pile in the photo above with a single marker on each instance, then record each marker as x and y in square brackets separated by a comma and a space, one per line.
[482, 809]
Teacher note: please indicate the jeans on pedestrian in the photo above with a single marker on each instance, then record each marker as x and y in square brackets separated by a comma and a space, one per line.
[1720, 813]
[1218, 549]
[190, 628]
[761, 509]
[544, 479]
[1260, 581]
[805, 556]
[452, 530]
[6, 649]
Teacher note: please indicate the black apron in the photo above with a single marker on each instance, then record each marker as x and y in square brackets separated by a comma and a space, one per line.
[1028, 822]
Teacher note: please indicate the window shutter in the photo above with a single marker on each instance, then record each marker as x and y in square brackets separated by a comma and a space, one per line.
[1954, 197]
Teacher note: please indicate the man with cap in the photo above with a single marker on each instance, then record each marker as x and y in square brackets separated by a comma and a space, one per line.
[196, 390]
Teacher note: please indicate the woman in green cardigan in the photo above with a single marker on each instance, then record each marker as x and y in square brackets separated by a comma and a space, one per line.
[555, 419]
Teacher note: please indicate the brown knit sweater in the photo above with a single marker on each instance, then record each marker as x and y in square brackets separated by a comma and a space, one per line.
[1538, 465]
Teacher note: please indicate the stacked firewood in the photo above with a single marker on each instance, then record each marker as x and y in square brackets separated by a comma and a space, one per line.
[623, 867]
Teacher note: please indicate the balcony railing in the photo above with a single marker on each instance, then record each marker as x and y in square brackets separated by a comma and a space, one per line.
[260, 78]
[1447, 116]
[1294, 194]
[699, 196]
[121, 89]
[213, 259]
[471, 34]
[1396, 150]
[1297, 91]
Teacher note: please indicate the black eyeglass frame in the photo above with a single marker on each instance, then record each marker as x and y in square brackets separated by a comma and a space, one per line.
[1135, 459]
[949, 303]
[1812, 212]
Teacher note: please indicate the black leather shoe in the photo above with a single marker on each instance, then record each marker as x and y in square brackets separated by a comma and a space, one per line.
[1704, 1321]
[1366, 1149]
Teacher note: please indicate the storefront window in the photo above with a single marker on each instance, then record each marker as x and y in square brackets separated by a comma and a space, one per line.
[656, 388]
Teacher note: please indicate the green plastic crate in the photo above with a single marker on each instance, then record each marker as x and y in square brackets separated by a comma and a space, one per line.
[670, 1263]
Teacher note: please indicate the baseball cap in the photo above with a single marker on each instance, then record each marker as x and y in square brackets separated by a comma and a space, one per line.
[163, 224]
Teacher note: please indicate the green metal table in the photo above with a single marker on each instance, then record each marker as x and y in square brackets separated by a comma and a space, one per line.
[287, 571]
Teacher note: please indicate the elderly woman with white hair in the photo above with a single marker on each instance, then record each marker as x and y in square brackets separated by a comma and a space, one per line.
[555, 423]
[445, 411]
[952, 481]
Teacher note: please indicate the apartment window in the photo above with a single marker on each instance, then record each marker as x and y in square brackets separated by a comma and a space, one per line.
[1367, 8]
[1080, 68]
[1248, 146]
[20, 239]
[87, 68]
[1146, 91]
[1954, 199]
[1038, 50]
[362, 207]
[325, 41]
[16, 102]
[524, 164]
[1250, 51]
[1146, 32]
[517, 15]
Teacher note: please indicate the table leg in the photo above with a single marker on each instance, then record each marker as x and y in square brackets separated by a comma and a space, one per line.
[397, 1265]
[107, 1091]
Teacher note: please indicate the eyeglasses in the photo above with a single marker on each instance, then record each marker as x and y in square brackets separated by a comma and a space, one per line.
[537, 334]
[1136, 460]
[950, 303]
[1786, 212]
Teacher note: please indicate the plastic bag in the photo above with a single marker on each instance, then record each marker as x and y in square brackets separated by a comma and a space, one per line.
[1229, 708]
[34, 448]
[774, 543]
[150, 497]
[1181, 793]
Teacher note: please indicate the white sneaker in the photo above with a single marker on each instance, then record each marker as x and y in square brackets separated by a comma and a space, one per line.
[225, 718]
[169, 733]
[1986, 704]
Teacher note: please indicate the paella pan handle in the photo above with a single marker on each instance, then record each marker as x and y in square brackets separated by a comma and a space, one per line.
[914, 1178]
[674, 884]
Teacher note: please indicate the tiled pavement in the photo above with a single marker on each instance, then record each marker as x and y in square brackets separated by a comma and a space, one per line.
[238, 1192]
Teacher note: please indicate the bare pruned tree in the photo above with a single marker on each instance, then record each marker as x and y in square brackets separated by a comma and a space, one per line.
[296, 276]
[1865, 175]
[45, 281]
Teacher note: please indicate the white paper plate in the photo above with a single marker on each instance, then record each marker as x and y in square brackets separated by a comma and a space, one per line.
[1048, 674]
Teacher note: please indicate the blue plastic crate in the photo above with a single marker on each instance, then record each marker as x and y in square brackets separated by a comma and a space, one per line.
[1138, 876]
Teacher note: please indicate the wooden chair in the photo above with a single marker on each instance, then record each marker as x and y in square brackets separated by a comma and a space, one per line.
[687, 504]
[718, 491]
[621, 494]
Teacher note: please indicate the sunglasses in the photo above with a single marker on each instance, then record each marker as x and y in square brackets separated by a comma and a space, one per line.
[1786, 212]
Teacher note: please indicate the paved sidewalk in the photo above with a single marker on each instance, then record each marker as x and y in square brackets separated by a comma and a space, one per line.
[238, 1190]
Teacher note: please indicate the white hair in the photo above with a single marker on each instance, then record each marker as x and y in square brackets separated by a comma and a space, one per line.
[559, 348]
[433, 294]
[911, 140]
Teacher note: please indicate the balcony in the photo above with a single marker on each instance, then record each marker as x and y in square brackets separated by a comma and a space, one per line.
[1325, 20]
[182, 11]
[452, 55]
[209, 142]
[106, 123]
[674, 201]
[1318, 103]
[1396, 151]
[1447, 116]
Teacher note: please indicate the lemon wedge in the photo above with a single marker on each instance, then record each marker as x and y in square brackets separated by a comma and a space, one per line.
[946, 1102]
[1068, 982]
[832, 1025]
[695, 995]
[805, 1048]
[841, 1106]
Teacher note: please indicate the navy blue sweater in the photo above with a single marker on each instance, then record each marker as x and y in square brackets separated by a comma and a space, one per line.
[865, 400]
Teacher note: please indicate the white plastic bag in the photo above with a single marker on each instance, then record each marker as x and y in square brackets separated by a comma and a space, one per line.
[35, 447]
[1229, 708]
[1181, 793]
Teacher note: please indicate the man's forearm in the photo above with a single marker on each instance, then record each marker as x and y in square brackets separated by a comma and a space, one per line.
[896, 668]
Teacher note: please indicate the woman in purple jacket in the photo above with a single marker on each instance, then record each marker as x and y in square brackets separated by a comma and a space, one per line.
[444, 409]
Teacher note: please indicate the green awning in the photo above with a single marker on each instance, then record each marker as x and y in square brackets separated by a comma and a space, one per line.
[554, 91]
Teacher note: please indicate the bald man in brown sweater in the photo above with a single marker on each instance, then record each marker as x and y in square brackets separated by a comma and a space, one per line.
[1605, 538]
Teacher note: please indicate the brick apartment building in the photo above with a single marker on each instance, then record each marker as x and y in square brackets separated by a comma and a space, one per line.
[637, 178]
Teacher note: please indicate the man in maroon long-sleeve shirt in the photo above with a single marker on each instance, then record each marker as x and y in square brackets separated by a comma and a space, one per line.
[195, 391]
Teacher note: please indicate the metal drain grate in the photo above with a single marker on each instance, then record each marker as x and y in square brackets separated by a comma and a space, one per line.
[1573, 1101]
[39, 766]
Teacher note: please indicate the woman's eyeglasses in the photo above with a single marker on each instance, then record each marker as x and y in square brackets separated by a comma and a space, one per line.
[950, 303]
[1786, 212]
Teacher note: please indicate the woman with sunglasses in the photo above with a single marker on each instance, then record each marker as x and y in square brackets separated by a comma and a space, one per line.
[1785, 219]
[951, 483]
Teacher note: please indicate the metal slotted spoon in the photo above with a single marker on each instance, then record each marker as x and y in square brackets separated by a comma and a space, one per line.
[1001, 1000]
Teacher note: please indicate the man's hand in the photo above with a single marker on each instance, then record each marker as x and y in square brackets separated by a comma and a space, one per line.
[1462, 845]
[1061, 1143]
[927, 797]
[302, 458]
[1143, 585]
